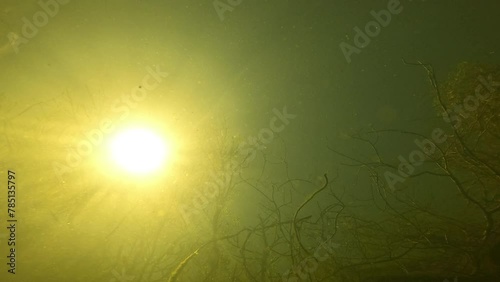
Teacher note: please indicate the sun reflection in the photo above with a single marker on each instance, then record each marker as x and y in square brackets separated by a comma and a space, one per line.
[139, 151]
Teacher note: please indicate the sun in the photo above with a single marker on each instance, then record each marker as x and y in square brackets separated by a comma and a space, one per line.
[139, 151]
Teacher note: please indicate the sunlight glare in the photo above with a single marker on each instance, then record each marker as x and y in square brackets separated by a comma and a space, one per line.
[139, 151]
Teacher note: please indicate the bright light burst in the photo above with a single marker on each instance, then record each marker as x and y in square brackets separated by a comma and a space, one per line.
[139, 151]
